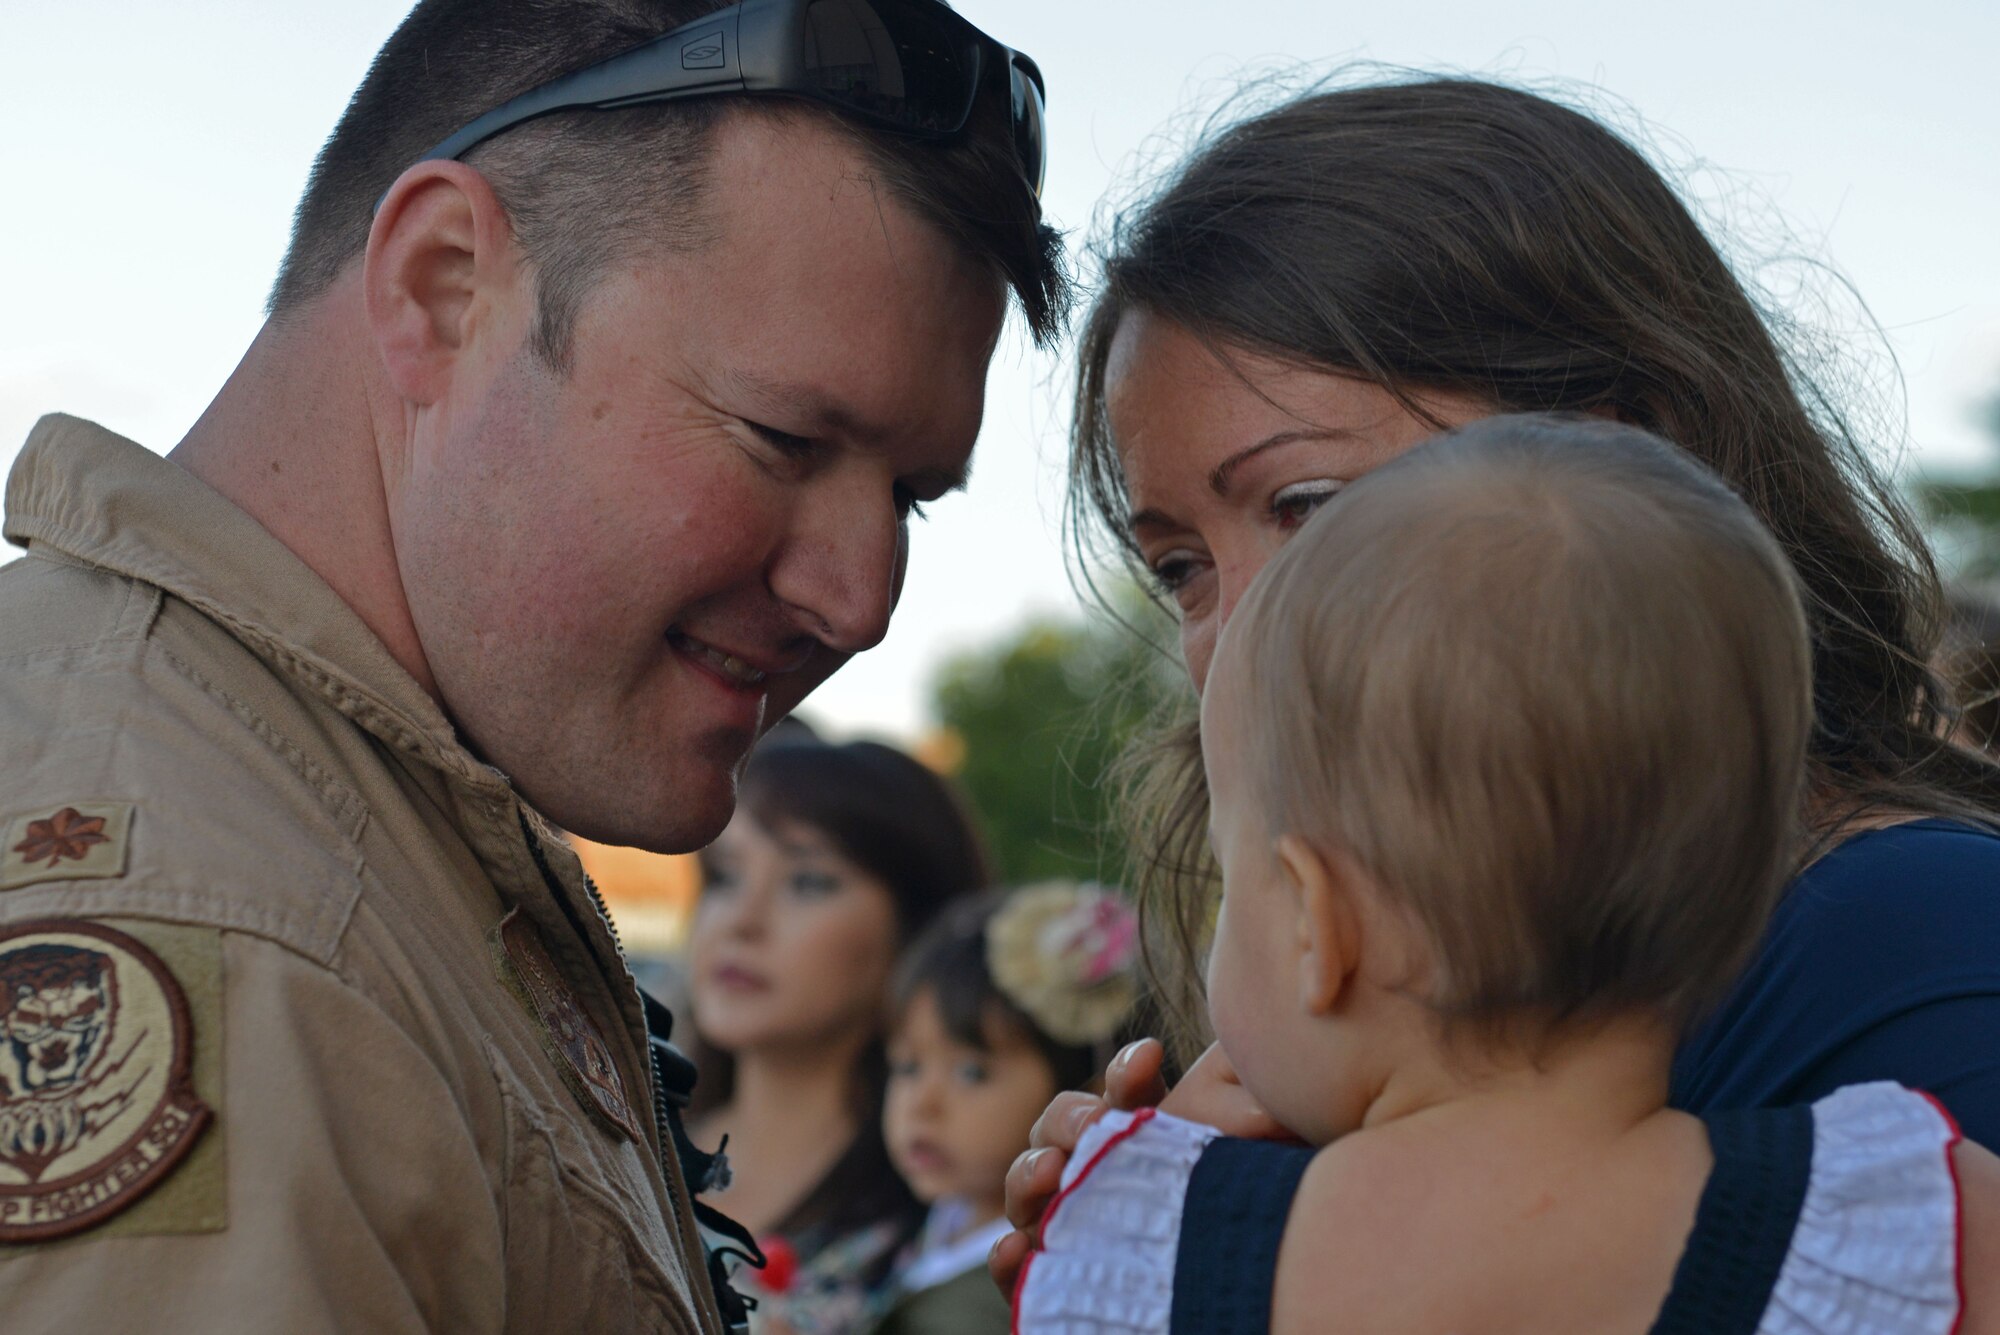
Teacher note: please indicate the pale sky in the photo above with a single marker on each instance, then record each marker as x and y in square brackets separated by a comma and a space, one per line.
[150, 155]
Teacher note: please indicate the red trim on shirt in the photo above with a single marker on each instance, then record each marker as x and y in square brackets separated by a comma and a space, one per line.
[1020, 1287]
[1139, 1119]
[1957, 1205]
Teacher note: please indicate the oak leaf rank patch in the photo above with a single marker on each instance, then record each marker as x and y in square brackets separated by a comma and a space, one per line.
[96, 1104]
[70, 841]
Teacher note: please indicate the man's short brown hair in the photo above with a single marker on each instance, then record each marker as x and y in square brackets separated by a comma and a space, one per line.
[1548, 680]
[584, 189]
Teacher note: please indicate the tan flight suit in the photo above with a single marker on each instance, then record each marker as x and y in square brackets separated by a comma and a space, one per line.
[217, 788]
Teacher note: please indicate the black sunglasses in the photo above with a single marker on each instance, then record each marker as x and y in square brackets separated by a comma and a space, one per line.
[912, 67]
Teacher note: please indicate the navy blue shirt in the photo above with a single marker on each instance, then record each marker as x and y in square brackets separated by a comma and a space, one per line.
[1881, 963]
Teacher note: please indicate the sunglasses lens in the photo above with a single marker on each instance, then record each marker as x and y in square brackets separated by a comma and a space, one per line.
[901, 62]
[1030, 131]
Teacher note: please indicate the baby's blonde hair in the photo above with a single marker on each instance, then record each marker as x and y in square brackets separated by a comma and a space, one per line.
[1549, 681]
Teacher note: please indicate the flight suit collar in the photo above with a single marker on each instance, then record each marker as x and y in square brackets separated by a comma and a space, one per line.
[81, 493]
[101, 499]
[94, 497]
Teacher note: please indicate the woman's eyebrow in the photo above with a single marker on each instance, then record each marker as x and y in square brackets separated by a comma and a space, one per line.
[801, 848]
[1218, 477]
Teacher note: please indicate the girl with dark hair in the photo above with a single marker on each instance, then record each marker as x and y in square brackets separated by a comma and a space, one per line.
[1006, 1000]
[837, 856]
[1318, 288]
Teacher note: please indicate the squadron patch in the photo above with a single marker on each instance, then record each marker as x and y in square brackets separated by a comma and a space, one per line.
[96, 1105]
[578, 1048]
[72, 842]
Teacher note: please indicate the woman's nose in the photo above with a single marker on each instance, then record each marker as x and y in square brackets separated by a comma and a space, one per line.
[1198, 636]
[747, 913]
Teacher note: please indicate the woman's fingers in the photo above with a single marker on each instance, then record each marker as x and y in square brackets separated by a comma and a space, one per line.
[1133, 1079]
[1063, 1121]
[1031, 1183]
[1004, 1262]
[1211, 1093]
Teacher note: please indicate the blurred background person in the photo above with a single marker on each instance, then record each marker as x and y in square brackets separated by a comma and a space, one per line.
[1008, 999]
[836, 858]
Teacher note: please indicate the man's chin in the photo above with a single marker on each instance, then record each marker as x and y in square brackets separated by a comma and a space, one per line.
[672, 814]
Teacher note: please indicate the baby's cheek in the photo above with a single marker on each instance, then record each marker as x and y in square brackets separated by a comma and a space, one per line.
[1249, 1027]
[1231, 1015]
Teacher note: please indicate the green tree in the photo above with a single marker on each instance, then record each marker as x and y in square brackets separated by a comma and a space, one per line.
[1964, 514]
[1042, 714]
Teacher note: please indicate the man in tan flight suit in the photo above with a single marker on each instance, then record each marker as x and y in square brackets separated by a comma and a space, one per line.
[558, 473]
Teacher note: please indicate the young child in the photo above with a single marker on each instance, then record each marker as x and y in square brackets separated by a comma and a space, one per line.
[1506, 756]
[1001, 1004]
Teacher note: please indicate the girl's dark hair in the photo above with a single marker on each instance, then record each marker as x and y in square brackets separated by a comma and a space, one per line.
[1449, 234]
[906, 826]
[949, 961]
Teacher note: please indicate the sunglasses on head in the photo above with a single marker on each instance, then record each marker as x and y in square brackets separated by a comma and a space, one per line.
[911, 67]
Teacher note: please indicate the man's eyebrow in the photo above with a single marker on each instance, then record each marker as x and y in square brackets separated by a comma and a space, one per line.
[1218, 477]
[804, 405]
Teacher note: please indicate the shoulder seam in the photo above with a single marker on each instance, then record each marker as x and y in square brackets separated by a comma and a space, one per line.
[349, 811]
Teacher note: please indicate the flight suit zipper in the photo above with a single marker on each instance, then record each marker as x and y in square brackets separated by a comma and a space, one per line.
[693, 1251]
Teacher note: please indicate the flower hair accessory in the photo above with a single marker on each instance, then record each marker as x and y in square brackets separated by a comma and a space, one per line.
[1066, 954]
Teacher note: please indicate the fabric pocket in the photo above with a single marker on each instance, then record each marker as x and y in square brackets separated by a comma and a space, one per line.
[577, 1252]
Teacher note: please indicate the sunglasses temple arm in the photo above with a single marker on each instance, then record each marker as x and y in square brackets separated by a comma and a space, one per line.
[700, 58]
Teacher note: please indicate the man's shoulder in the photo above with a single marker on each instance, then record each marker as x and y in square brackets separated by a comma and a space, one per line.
[122, 846]
[156, 767]
[51, 604]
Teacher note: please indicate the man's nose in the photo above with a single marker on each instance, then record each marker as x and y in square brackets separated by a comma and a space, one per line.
[842, 572]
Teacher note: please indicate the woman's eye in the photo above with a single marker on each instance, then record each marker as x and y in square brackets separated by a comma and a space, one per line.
[902, 1068]
[907, 504]
[1292, 506]
[716, 880]
[814, 884]
[972, 1073]
[1174, 571]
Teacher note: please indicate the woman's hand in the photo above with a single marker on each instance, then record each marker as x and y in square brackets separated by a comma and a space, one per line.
[1209, 1092]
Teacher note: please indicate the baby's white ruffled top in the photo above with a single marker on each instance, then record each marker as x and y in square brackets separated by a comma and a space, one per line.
[1864, 1240]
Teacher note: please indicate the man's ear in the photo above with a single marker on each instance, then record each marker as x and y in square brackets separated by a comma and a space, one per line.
[1327, 925]
[440, 257]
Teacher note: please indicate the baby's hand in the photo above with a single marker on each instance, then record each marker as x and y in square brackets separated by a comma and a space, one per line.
[1209, 1092]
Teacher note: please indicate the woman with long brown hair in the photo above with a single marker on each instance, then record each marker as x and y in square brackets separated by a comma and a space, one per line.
[837, 856]
[1320, 287]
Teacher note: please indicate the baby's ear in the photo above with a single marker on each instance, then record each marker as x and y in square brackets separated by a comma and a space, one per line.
[1327, 926]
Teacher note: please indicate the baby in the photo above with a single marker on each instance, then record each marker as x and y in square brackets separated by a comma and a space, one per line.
[1506, 752]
